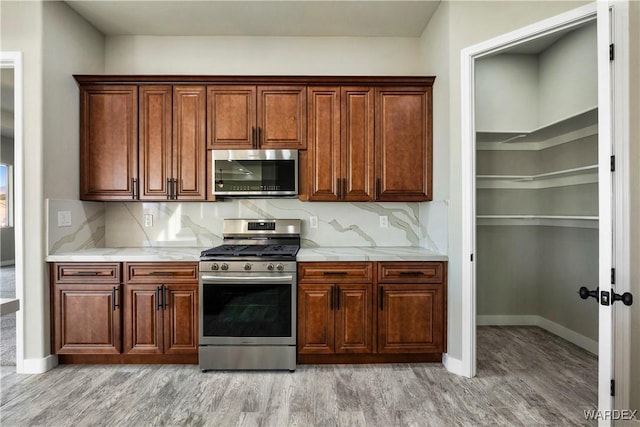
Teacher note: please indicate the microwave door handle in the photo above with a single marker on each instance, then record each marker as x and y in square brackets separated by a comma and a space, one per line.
[252, 279]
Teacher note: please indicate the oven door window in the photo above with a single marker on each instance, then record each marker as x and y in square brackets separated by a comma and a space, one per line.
[245, 310]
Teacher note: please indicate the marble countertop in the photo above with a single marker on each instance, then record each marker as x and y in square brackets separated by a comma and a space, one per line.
[192, 254]
[378, 253]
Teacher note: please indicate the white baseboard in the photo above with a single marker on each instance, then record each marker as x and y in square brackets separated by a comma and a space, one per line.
[453, 365]
[546, 324]
[39, 366]
[7, 262]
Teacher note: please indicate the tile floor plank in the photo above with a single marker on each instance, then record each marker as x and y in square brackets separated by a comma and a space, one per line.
[526, 377]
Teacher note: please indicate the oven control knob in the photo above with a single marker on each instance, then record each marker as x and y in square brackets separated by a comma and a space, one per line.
[270, 267]
[247, 266]
[280, 267]
[224, 266]
[214, 266]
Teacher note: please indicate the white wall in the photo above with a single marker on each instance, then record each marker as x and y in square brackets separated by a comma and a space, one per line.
[262, 55]
[470, 23]
[21, 30]
[507, 93]
[568, 76]
[54, 42]
[70, 46]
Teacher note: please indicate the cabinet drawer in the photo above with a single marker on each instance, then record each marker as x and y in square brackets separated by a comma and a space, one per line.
[411, 272]
[162, 272]
[86, 272]
[335, 272]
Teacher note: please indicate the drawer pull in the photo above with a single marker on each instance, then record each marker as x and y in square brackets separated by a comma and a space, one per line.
[114, 298]
[411, 273]
[337, 297]
[335, 273]
[381, 296]
[85, 273]
[162, 273]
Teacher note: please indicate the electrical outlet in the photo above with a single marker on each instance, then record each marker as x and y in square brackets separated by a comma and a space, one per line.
[148, 220]
[313, 221]
[64, 218]
[384, 221]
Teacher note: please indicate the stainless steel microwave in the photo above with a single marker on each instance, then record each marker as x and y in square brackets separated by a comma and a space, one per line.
[255, 173]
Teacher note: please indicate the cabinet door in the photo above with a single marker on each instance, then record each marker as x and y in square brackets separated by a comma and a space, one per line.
[315, 319]
[108, 142]
[282, 117]
[180, 319]
[189, 143]
[403, 144]
[354, 330]
[411, 318]
[155, 115]
[143, 319]
[86, 318]
[357, 144]
[323, 165]
[231, 116]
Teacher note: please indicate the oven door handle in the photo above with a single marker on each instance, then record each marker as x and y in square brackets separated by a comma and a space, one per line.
[253, 279]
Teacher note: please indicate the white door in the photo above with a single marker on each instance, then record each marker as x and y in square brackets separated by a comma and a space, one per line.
[605, 214]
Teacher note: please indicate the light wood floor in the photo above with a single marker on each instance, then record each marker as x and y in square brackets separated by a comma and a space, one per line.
[526, 376]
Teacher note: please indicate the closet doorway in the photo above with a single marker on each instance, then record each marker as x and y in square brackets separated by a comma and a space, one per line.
[536, 121]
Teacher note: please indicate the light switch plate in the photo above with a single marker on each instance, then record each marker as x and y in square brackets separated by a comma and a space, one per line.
[313, 221]
[64, 218]
[384, 221]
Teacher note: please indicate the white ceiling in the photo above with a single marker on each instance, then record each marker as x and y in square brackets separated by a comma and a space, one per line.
[258, 18]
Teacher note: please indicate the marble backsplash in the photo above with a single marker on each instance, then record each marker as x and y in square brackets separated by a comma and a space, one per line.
[87, 229]
[194, 224]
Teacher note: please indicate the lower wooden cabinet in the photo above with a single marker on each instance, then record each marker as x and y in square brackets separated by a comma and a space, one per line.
[334, 318]
[149, 316]
[86, 318]
[161, 319]
[396, 313]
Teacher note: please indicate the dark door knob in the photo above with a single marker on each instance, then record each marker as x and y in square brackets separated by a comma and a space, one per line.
[626, 298]
[586, 293]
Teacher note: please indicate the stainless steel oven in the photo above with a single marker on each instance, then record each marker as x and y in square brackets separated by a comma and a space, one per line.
[248, 291]
[255, 173]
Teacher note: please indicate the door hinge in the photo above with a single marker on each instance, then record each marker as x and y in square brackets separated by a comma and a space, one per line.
[613, 276]
[613, 163]
[613, 387]
[611, 52]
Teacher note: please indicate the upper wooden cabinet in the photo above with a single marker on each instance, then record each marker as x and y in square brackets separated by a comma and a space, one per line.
[172, 142]
[257, 117]
[340, 132]
[108, 142]
[364, 147]
[404, 144]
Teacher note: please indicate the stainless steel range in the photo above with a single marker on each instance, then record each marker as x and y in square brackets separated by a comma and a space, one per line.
[248, 296]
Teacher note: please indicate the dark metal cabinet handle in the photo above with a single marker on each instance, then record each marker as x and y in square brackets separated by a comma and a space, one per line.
[114, 298]
[164, 297]
[338, 195]
[381, 296]
[175, 189]
[411, 273]
[85, 273]
[253, 136]
[162, 273]
[158, 302]
[134, 182]
[331, 299]
[344, 188]
[337, 297]
[169, 194]
[334, 273]
[258, 136]
[378, 188]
